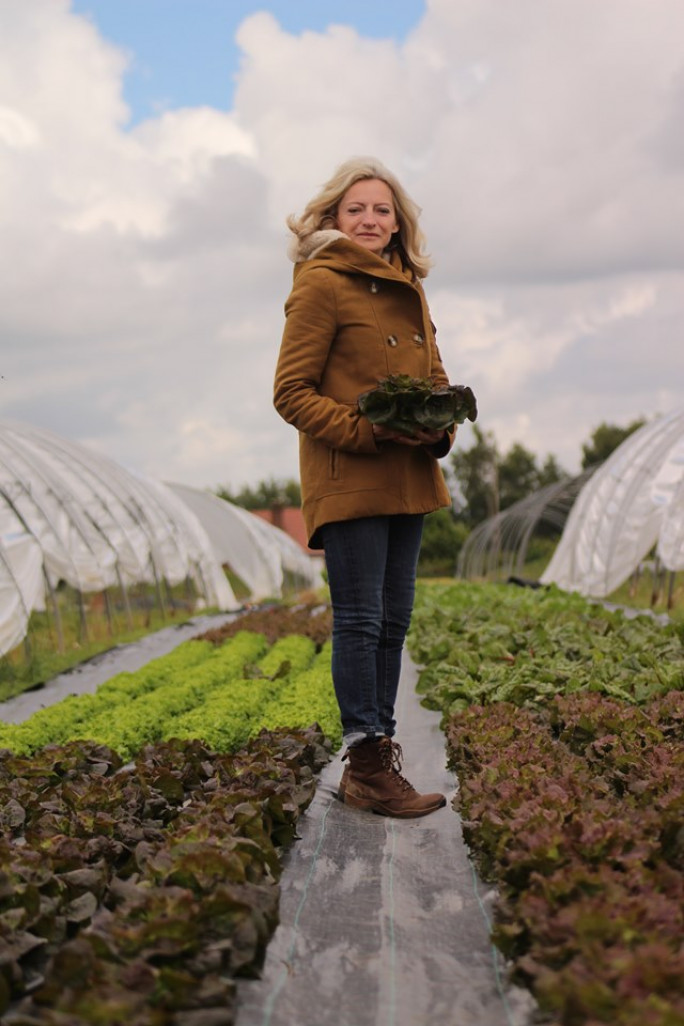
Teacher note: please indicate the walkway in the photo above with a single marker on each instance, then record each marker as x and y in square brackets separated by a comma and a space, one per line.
[384, 922]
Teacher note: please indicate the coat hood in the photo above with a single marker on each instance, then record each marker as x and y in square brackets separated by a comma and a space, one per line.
[301, 249]
[331, 248]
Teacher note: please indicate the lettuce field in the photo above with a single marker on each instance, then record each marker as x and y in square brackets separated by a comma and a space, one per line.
[141, 827]
[565, 723]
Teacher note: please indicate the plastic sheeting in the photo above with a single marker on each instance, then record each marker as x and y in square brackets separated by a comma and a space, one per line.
[670, 548]
[633, 502]
[497, 547]
[67, 514]
[259, 553]
[21, 580]
[297, 565]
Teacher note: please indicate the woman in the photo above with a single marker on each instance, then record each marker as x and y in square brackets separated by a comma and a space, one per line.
[356, 314]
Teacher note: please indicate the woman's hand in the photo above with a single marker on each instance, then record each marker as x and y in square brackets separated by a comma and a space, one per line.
[423, 436]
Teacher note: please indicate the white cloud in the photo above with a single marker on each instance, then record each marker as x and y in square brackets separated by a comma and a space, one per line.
[16, 131]
[143, 272]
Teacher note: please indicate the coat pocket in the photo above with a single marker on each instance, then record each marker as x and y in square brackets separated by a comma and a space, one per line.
[334, 464]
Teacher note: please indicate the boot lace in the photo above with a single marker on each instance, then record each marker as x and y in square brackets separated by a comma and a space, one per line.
[391, 755]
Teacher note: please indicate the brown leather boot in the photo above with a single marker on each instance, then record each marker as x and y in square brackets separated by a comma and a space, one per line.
[375, 783]
[344, 780]
[342, 787]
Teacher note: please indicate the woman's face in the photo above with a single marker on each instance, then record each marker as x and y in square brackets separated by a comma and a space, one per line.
[366, 214]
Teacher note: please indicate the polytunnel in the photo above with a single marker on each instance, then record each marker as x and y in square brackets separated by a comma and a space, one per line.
[298, 567]
[633, 502]
[262, 555]
[74, 516]
[498, 546]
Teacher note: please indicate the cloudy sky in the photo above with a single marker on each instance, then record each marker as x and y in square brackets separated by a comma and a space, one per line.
[150, 151]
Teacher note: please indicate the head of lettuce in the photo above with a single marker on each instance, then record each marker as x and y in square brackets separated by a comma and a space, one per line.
[405, 404]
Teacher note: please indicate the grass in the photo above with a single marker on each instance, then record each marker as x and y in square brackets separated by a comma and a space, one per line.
[640, 591]
[41, 656]
[639, 595]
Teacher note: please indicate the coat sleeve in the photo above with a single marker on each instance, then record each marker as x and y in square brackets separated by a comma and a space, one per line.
[310, 329]
[440, 377]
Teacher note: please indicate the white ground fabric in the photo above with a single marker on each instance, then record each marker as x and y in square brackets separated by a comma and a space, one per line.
[384, 922]
[634, 501]
[68, 514]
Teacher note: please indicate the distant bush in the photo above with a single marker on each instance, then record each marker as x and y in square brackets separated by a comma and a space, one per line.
[443, 538]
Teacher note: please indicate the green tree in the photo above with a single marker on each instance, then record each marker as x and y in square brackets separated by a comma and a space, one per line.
[518, 475]
[490, 482]
[604, 440]
[550, 472]
[476, 474]
[443, 537]
[264, 495]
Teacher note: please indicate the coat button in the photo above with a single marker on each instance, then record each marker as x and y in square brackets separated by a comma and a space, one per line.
[374, 287]
[392, 341]
[418, 338]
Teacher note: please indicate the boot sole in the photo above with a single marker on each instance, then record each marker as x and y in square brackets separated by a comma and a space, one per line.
[379, 810]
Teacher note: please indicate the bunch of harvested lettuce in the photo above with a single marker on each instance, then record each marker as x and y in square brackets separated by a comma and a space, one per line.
[405, 404]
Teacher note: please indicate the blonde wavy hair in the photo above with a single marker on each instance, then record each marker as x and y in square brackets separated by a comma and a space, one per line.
[321, 211]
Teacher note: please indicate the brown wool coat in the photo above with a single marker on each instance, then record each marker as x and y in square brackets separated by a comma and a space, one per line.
[352, 318]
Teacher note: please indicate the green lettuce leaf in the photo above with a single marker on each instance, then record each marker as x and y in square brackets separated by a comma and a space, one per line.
[406, 404]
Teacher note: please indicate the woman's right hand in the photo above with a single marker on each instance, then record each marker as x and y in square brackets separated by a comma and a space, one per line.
[421, 437]
[383, 434]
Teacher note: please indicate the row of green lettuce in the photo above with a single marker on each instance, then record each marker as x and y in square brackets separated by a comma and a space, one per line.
[500, 643]
[565, 723]
[222, 695]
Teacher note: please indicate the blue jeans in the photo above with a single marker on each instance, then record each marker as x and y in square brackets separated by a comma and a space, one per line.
[371, 564]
